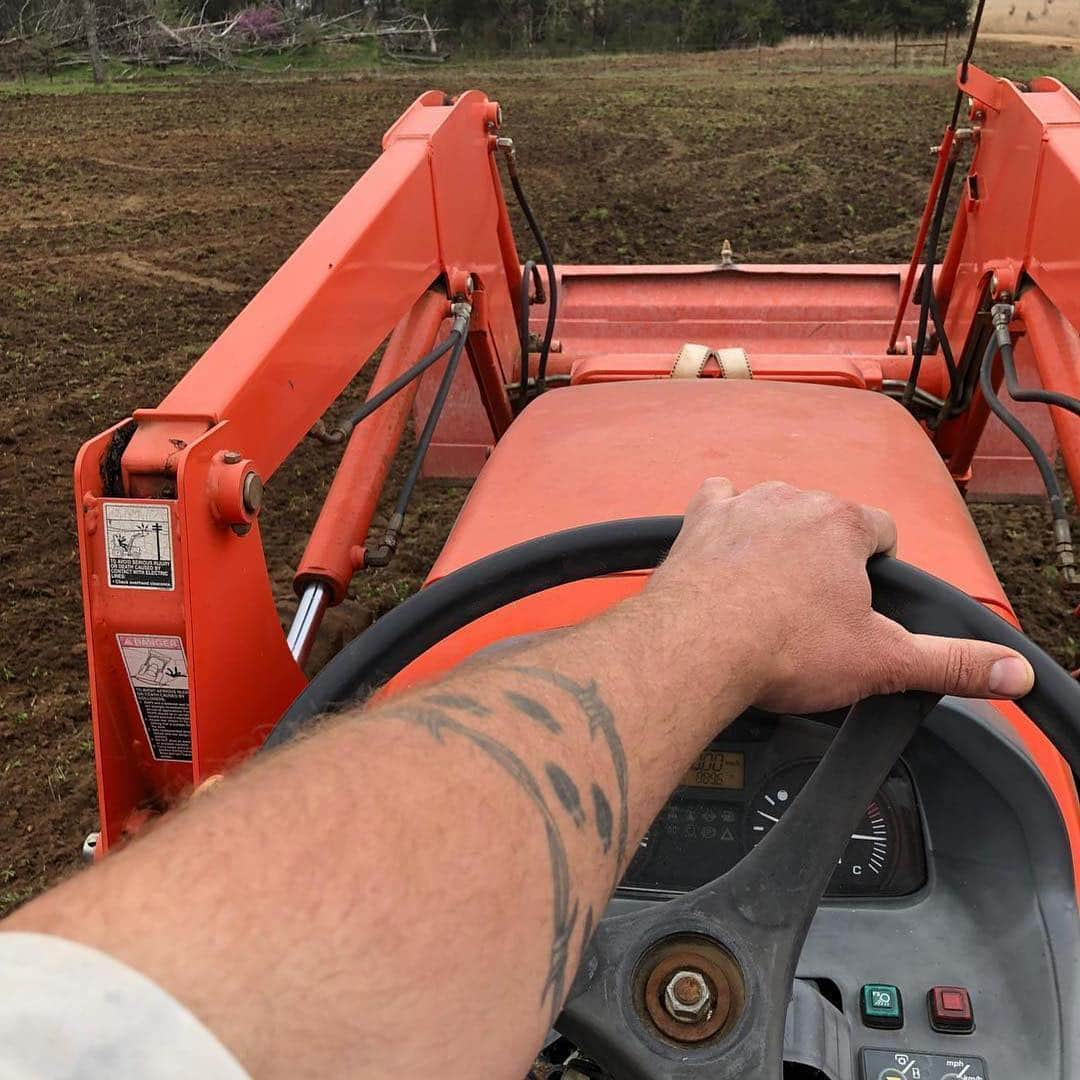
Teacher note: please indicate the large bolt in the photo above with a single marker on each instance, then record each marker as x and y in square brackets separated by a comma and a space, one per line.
[232, 457]
[687, 997]
[253, 492]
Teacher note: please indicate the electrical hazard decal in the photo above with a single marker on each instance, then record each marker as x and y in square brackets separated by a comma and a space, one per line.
[157, 670]
[138, 545]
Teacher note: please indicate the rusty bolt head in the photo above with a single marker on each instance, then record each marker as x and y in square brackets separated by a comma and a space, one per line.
[253, 492]
[687, 997]
[232, 457]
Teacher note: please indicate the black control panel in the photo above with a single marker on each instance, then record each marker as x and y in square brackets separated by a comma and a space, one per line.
[740, 788]
[909, 1065]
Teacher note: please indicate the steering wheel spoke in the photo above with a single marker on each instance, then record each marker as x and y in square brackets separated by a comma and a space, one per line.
[781, 881]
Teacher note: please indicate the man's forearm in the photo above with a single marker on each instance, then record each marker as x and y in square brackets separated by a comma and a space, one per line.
[368, 888]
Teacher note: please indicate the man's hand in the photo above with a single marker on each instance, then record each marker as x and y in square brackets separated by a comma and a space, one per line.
[783, 571]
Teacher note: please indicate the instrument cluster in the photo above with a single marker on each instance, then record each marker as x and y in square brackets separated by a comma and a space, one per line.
[742, 785]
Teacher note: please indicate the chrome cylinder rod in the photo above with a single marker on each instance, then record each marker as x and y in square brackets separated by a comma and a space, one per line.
[305, 625]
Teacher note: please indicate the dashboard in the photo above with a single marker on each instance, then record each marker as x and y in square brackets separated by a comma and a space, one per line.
[959, 877]
[742, 785]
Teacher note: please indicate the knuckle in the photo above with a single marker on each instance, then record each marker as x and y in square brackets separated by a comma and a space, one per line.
[823, 503]
[894, 676]
[897, 662]
[851, 517]
[716, 487]
[775, 489]
[958, 670]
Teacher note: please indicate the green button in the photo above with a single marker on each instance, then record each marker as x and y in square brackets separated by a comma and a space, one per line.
[881, 1006]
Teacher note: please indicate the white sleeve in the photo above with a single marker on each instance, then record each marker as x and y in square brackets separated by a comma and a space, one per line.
[69, 1012]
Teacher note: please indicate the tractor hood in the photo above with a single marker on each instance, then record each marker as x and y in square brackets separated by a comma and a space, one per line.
[591, 453]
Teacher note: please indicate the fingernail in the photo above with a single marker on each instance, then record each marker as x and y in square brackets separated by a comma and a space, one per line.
[1011, 677]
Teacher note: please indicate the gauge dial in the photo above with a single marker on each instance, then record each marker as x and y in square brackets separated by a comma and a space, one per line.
[870, 856]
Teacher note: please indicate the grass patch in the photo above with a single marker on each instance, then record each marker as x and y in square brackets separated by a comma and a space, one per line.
[127, 78]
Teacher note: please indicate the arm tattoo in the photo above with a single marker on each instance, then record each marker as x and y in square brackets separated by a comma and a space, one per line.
[567, 792]
[602, 812]
[440, 714]
[534, 710]
[432, 715]
[459, 701]
[600, 719]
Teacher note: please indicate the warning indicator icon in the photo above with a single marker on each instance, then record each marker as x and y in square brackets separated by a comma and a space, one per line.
[157, 671]
[138, 545]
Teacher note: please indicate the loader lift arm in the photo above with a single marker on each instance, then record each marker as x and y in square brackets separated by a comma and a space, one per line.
[390, 258]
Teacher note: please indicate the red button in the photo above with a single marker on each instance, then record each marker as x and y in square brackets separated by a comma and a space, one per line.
[950, 1010]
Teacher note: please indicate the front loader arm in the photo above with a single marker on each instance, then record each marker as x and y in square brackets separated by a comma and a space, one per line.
[189, 666]
[1016, 238]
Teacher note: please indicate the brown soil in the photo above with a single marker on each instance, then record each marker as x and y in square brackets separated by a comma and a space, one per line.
[135, 225]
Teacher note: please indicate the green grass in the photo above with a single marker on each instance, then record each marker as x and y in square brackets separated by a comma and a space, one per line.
[127, 78]
[789, 60]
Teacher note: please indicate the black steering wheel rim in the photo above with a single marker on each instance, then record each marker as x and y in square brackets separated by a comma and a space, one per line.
[762, 928]
[918, 601]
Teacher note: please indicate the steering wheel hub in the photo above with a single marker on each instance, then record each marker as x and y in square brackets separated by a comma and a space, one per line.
[690, 989]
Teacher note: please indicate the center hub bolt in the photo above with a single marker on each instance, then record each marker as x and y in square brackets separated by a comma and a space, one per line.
[687, 997]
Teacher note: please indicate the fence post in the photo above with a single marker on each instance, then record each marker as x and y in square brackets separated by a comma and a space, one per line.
[945, 50]
[896, 47]
[759, 52]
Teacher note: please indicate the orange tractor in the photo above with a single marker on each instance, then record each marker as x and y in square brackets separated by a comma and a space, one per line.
[900, 894]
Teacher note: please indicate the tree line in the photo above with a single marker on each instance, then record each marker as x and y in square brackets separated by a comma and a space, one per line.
[688, 24]
[496, 25]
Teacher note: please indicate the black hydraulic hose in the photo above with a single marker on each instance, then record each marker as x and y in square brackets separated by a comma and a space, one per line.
[928, 280]
[382, 555]
[456, 337]
[527, 271]
[955, 389]
[545, 255]
[921, 603]
[1031, 444]
[1062, 532]
[1018, 393]
[428, 431]
[928, 297]
[943, 340]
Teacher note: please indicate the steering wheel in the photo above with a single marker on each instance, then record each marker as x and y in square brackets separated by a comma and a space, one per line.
[741, 934]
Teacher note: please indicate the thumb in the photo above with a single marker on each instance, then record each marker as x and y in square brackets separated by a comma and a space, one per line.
[977, 669]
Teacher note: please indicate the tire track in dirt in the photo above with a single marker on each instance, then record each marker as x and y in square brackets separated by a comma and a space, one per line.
[141, 268]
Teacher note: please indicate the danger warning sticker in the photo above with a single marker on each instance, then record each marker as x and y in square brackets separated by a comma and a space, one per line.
[157, 670]
[138, 545]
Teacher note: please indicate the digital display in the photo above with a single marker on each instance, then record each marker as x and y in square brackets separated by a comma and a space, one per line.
[716, 769]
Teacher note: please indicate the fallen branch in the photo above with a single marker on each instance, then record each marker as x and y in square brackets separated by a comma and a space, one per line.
[147, 39]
